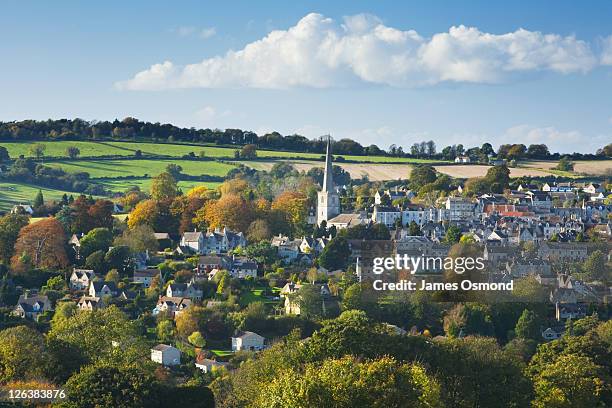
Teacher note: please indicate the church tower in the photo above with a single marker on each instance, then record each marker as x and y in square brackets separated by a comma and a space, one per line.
[328, 201]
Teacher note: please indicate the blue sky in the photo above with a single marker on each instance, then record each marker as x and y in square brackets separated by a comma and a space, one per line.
[378, 72]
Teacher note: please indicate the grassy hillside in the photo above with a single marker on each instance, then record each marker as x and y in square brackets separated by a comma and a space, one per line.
[140, 168]
[92, 149]
[15, 193]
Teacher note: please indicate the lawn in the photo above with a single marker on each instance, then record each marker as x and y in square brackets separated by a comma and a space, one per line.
[222, 353]
[141, 168]
[255, 295]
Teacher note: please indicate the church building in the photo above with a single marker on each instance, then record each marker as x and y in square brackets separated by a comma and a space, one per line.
[328, 201]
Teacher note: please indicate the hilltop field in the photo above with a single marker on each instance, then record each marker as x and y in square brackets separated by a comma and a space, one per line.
[115, 165]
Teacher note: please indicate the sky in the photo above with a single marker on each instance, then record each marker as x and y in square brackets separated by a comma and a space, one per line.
[382, 72]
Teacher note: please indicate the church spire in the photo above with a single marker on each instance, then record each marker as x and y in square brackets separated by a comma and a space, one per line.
[328, 181]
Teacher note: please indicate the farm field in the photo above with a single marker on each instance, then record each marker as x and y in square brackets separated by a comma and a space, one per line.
[382, 172]
[15, 193]
[589, 167]
[145, 184]
[103, 148]
[140, 168]
[480, 170]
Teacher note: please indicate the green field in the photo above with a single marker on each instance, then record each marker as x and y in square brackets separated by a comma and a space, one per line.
[140, 168]
[92, 149]
[145, 184]
[15, 193]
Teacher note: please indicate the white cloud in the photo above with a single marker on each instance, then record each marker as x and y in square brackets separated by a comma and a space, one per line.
[188, 31]
[320, 52]
[606, 53]
[557, 140]
[208, 32]
[209, 116]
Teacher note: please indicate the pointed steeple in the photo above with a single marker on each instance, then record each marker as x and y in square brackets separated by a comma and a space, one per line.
[328, 181]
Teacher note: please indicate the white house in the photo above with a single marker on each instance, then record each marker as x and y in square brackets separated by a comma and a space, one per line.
[386, 215]
[206, 364]
[193, 240]
[144, 277]
[459, 208]
[89, 303]
[100, 289]
[81, 278]
[247, 341]
[462, 159]
[22, 208]
[166, 355]
[172, 305]
[187, 290]
[30, 306]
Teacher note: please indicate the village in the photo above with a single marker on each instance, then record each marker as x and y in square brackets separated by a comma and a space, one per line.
[522, 234]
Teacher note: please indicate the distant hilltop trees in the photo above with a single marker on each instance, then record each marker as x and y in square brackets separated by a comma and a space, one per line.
[134, 129]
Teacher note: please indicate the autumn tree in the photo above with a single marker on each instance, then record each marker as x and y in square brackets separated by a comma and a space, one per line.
[41, 244]
[145, 213]
[294, 205]
[258, 230]
[101, 214]
[248, 152]
[229, 211]
[235, 186]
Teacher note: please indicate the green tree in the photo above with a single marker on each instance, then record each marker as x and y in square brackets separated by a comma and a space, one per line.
[10, 225]
[104, 335]
[21, 354]
[335, 254]
[528, 326]
[106, 385]
[348, 382]
[197, 339]
[98, 239]
[565, 164]
[39, 200]
[498, 175]
[63, 311]
[572, 381]
[38, 150]
[73, 152]
[414, 229]
[421, 175]
[4, 154]
[453, 235]
[174, 170]
[163, 187]
[165, 330]
[595, 266]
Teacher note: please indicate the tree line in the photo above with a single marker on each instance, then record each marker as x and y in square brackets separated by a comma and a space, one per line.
[134, 129]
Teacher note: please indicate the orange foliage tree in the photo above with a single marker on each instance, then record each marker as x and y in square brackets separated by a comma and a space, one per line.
[294, 205]
[229, 211]
[40, 245]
